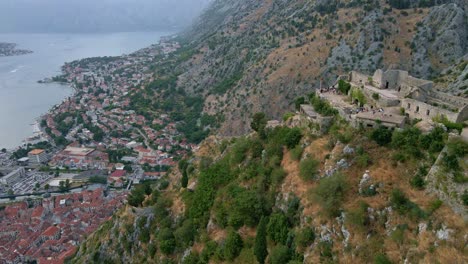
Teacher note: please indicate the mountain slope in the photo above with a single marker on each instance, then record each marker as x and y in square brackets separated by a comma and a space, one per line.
[256, 55]
[324, 201]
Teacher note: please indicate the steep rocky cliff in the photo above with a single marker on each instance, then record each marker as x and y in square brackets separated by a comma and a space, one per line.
[350, 196]
[256, 55]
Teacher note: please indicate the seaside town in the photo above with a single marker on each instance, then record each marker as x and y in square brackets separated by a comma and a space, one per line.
[49, 230]
[85, 155]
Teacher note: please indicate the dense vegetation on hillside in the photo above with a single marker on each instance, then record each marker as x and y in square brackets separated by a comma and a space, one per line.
[279, 196]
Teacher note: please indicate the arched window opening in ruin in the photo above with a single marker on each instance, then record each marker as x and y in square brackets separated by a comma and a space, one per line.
[399, 88]
[417, 109]
[428, 112]
[386, 85]
[409, 106]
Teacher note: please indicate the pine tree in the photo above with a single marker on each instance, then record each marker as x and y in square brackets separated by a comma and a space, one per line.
[260, 247]
[183, 164]
[184, 179]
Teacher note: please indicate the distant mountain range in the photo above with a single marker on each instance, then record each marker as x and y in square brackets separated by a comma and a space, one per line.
[96, 15]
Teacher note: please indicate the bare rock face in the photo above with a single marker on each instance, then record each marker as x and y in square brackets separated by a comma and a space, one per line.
[441, 40]
[458, 85]
[367, 53]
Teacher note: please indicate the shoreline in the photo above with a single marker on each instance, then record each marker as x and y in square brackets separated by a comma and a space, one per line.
[36, 122]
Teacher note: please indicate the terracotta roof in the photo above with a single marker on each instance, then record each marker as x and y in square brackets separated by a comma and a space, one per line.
[118, 173]
[36, 151]
[51, 231]
[37, 212]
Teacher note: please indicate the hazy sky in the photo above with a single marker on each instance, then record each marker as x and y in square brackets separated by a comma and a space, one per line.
[96, 15]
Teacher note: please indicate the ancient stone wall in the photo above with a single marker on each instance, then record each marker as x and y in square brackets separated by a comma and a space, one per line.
[417, 109]
[463, 114]
[359, 78]
[412, 81]
[393, 79]
[459, 102]
[377, 78]
[382, 101]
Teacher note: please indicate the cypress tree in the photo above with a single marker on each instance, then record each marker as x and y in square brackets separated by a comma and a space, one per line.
[260, 247]
[184, 179]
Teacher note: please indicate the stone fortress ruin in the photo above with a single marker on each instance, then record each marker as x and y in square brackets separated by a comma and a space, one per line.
[418, 98]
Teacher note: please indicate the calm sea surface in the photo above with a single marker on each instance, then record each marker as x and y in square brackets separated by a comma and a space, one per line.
[22, 99]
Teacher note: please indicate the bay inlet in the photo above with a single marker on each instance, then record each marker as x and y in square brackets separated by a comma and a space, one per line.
[23, 99]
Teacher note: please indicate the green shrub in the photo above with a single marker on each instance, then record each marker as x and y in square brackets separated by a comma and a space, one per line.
[277, 228]
[450, 162]
[382, 136]
[399, 156]
[434, 141]
[459, 177]
[359, 217]
[164, 184]
[192, 258]
[232, 246]
[201, 200]
[321, 106]
[239, 150]
[208, 251]
[402, 111]
[185, 234]
[375, 96]
[449, 124]
[381, 259]
[152, 249]
[298, 102]
[326, 251]
[296, 153]
[330, 193]
[344, 87]
[398, 235]
[293, 137]
[136, 196]
[464, 198]
[417, 181]
[243, 206]
[167, 241]
[458, 147]
[408, 142]
[434, 205]
[277, 176]
[358, 95]
[280, 255]
[308, 169]
[260, 247]
[287, 116]
[305, 237]
[259, 122]
[363, 160]
[144, 236]
[403, 205]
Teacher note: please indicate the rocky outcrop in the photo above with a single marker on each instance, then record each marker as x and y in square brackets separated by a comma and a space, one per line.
[367, 53]
[440, 41]
[443, 185]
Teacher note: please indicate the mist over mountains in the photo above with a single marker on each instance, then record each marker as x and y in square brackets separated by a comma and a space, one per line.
[87, 16]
